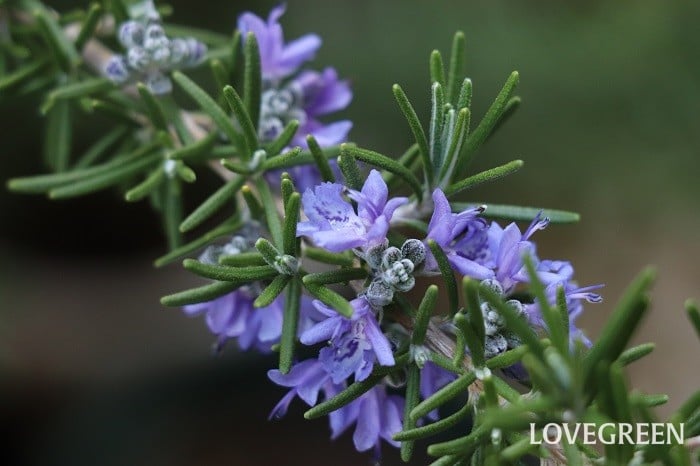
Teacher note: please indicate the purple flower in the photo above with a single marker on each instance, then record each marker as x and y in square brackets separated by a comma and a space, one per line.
[307, 97]
[574, 302]
[323, 93]
[461, 236]
[377, 416]
[278, 60]
[332, 222]
[508, 246]
[233, 316]
[355, 343]
[306, 379]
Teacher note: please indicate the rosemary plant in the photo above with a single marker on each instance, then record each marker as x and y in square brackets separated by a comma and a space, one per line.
[318, 251]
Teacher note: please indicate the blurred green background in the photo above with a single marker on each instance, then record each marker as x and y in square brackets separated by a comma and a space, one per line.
[95, 371]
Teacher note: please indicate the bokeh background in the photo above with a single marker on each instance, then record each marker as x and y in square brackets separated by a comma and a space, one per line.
[94, 371]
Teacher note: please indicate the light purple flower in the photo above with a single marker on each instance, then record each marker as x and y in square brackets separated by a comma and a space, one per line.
[377, 416]
[233, 316]
[306, 379]
[278, 60]
[307, 97]
[323, 93]
[355, 343]
[461, 236]
[574, 302]
[332, 222]
[508, 246]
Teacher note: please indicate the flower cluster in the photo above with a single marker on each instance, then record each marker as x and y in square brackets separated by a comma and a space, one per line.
[360, 226]
[290, 94]
[150, 53]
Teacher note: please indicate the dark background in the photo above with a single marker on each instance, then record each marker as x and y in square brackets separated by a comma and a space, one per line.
[94, 371]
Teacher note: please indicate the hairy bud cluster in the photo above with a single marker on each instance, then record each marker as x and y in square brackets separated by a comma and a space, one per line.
[393, 270]
[150, 53]
[498, 337]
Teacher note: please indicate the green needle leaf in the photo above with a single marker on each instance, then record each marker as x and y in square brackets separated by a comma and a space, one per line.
[119, 10]
[636, 352]
[225, 228]
[268, 251]
[59, 133]
[518, 213]
[286, 187]
[351, 172]
[457, 67]
[203, 35]
[385, 163]
[216, 201]
[447, 274]
[488, 123]
[250, 136]
[21, 74]
[429, 430]
[272, 218]
[85, 88]
[200, 148]
[625, 318]
[470, 288]
[476, 346]
[172, 213]
[691, 308]
[297, 157]
[254, 206]
[100, 147]
[407, 159]
[237, 274]
[104, 180]
[512, 105]
[89, 24]
[437, 69]
[463, 445]
[153, 109]
[291, 218]
[200, 294]
[272, 291]
[284, 139]
[243, 259]
[146, 187]
[321, 255]
[416, 129]
[356, 389]
[62, 48]
[331, 298]
[412, 397]
[335, 276]
[289, 325]
[465, 95]
[210, 107]
[320, 159]
[483, 177]
[552, 317]
[442, 396]
[458, 136]
[438, 115]
[252, 78]
[42, 183]
[425, 311]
